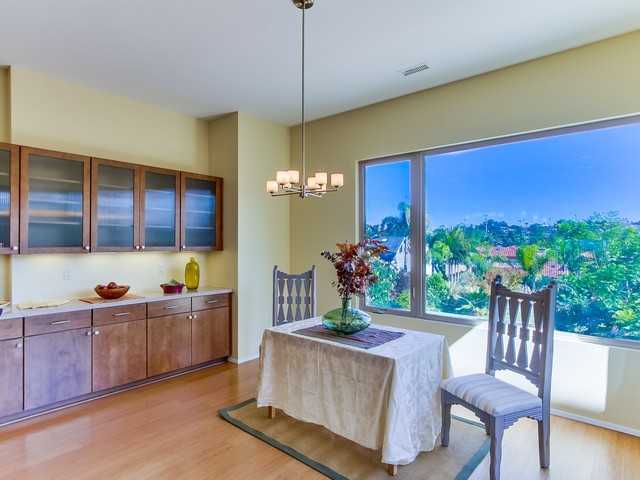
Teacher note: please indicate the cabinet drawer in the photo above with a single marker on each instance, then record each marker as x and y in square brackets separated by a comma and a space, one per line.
[56, 322]
[210, 301]
[123, 313]
[10, 328]
[168, 307]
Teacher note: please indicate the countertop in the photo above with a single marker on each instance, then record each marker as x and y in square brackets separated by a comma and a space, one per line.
[75, 305]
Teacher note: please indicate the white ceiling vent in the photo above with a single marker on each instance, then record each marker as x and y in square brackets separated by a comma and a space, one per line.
[415, 69]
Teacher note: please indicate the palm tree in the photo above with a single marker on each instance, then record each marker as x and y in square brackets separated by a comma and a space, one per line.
[532, 260]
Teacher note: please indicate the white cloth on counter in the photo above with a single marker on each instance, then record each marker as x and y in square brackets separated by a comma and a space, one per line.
[386, 398]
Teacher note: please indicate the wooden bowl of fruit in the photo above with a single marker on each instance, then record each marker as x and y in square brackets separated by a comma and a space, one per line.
[111, 291]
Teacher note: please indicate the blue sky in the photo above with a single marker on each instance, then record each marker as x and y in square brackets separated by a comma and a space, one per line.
[535, 181]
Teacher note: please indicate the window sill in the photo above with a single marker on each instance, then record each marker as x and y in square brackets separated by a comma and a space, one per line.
[469, 321]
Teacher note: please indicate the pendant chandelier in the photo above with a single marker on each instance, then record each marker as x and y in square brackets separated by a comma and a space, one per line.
[292, 182]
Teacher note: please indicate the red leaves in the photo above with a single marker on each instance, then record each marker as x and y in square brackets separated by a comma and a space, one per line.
[352, 264]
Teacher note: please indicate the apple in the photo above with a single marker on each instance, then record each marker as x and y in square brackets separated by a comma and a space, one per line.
[112, 285]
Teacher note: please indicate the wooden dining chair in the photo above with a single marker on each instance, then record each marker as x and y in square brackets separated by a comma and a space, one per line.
[294, 296]
[499, 404]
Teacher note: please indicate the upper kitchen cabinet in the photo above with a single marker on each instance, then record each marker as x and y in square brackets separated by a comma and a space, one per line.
[114, 206]
[201, 212]
[9, 200]
[54, 202]
[159, 209]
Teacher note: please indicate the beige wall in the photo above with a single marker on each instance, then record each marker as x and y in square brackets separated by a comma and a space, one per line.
[50, 113]
[592, 82]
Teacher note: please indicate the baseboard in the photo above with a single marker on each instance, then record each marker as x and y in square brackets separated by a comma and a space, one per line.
[29, 414]
[238, 361]
[598, 423]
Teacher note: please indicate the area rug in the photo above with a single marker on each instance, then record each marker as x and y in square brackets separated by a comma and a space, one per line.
[340, 459]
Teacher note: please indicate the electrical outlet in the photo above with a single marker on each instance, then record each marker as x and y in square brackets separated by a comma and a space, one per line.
[66, 274]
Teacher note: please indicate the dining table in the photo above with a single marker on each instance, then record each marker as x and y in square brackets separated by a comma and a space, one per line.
[379, 388]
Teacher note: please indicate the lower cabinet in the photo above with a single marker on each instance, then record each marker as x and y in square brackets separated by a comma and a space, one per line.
[52, 359]
[11, 362]
[57, 367]
[168, 343]
[210, 335]
[119, 354]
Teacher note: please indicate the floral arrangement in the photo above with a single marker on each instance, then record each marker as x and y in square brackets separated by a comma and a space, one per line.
[352, 262]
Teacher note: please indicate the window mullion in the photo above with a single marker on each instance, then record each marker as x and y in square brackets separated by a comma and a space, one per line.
[417, 238]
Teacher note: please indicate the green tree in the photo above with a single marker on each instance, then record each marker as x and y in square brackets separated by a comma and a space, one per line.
[437, 291]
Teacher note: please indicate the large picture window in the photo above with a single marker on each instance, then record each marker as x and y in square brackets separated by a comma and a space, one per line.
[562, 205]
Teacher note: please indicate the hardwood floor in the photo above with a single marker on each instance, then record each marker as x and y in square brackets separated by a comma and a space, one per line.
[170, 430]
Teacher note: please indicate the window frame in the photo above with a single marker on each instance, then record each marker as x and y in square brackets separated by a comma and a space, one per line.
[418, 220]
[416, 294]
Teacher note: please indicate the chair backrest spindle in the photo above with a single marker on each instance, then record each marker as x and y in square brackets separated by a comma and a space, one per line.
[510, 315]
[294, 296]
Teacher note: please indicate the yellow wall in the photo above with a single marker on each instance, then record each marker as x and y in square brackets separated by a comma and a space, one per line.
[223, 150]
[5, 136]
[263, 226]
[245, 151]
[5, 100]
[50, 113]
[592, 82]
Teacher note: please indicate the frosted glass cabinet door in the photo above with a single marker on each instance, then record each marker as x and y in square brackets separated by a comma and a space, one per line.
[201, 212]
[9, 201]
[114, 206]
[160, 207]
[54, 202]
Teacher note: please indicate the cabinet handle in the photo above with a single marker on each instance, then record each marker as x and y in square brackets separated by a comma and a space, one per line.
[19, 345]
[97, 332]
[189, 317]
[212, 301]
[169, 307]
[195, 316]
[184, 247]
[14, 248]
[122, 314]
[59, 322]
[87, 248]
[137, 247]
[89, 333]
[142, 247]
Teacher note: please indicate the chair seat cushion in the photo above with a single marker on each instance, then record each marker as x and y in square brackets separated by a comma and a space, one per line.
[490, 394]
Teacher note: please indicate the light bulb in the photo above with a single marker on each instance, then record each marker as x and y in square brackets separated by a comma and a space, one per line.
[272, 186]
[282, 177]
[337, 180]
[321, 178]
[294, 176]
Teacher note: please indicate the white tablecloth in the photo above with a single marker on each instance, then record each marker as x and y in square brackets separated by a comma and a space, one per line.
[383, 398]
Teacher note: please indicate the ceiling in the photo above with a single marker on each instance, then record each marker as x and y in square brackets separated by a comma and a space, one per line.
[208, 57]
